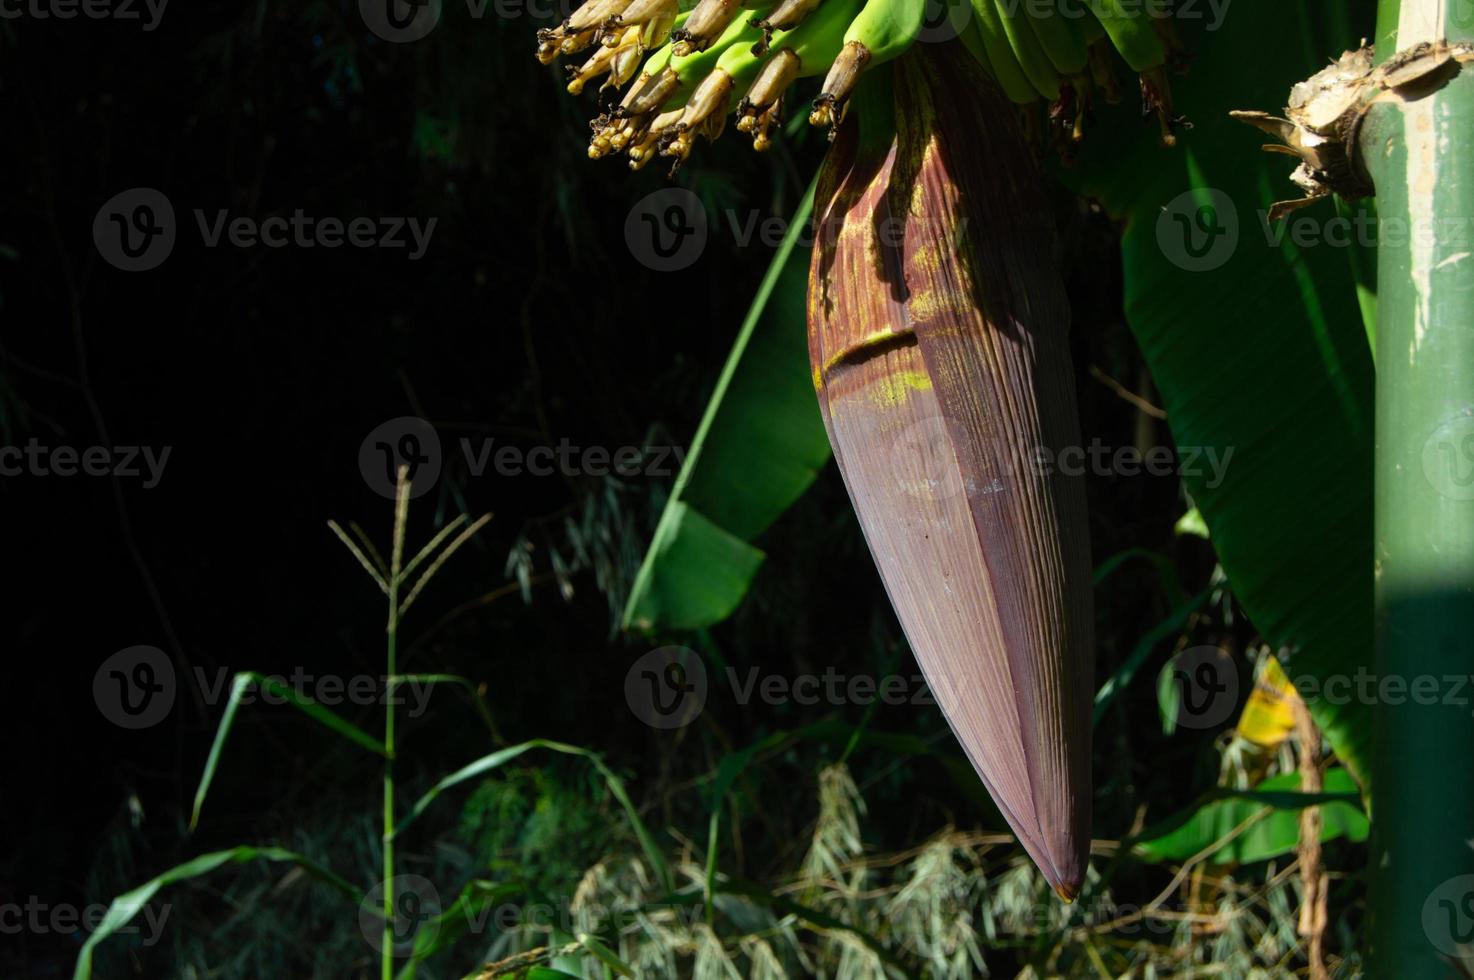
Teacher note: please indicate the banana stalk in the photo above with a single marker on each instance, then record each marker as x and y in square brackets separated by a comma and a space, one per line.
[937, 336]
[1034, 54]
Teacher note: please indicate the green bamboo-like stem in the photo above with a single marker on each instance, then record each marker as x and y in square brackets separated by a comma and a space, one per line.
[1420, 154]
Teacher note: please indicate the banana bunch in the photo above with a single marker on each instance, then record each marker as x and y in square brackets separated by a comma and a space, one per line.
[686, 71]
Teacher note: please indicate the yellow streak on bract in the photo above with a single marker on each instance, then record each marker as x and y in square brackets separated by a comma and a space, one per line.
[929, 257]
[930, 304]
[871, 339]
[851, 229]
[892, 390]
[919, 191]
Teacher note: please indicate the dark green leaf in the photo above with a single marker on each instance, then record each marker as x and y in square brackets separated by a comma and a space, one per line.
[243, 682]
[1264, 355]
[758, 448]
[494, 760]
[1269, 816]
[123, 908]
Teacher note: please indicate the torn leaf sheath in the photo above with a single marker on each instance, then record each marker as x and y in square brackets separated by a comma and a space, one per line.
[1322, 123]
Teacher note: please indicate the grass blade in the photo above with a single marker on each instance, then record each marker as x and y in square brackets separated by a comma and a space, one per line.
[501, 757]
[821, 921]
[477, 701]
[312, 709]
[439, 932]
[605, 955]
[123, 908]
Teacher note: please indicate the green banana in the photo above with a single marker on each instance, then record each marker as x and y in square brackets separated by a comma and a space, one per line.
[604, 61]
[1027, 50]
[664, 85]
[640, 11]
[988, 26]
[717, 72]
[1133, 35]
[1139, 38]
[881, 31]
[886, 27]
[1062, 40]
[957, 24]
[692, 68]
[786, 16]
[960, 12]
[820, 38]
[1089, 25]
[806, 50]
[709, 20]
[660, 57]
[737, 59]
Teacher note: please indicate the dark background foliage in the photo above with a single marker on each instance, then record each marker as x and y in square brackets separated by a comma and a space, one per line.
[528, 321]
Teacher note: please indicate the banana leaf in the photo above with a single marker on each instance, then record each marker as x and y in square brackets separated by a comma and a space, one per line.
[1257, 824]
[758, 448]
[1257, 345]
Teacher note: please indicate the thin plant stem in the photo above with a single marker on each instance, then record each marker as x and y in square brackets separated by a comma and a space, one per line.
[401, 509]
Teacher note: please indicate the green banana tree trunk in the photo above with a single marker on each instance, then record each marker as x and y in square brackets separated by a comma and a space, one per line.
[1420, 154]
